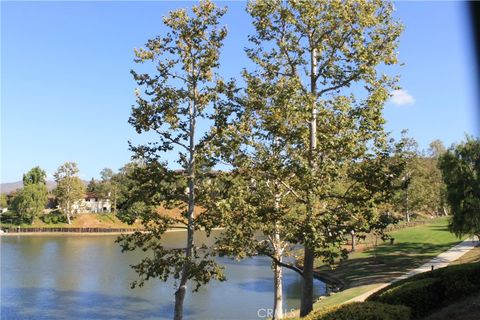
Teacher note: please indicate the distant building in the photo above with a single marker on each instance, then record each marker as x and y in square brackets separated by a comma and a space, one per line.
[92, 203]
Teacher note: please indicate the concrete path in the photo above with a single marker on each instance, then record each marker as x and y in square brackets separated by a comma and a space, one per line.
[440, 261]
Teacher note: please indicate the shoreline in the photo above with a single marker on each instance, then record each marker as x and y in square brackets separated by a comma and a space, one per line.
[80, 233]
[50, 233]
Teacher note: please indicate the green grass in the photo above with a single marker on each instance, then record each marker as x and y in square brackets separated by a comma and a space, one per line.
[91, 220]
[368, 269]
[12, 225]
[343, 296]
[469, 257]
[413, 247]
[107, 217]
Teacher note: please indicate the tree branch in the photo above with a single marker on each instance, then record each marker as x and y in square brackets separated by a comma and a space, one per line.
[293, 192]
[172, 140]
[285, 265]
[342, 84]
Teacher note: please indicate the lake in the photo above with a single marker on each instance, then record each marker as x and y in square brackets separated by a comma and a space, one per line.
[87, 277]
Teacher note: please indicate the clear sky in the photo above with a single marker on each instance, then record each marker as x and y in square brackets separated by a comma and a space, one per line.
[66, 90]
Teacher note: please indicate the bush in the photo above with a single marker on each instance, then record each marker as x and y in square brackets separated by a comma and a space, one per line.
[429, 291]
[11, 217]
[417, 295]
[54, 217]
[363, 311]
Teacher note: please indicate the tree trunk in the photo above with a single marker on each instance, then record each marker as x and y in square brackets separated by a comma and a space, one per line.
[68, 213]
[115, 202]
[307, 290]
[407, 214]
[68, 206]
[180, 293]
[352, 233]
[179, 298]
[308, 257]
[277, 269]
[278, 302]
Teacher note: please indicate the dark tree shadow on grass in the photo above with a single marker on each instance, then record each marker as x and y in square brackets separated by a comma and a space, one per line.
[390, 262]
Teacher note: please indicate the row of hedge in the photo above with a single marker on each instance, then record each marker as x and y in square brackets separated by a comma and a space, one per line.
[54, 217]
[411, 298]
[363, 311]
[12, 217]
[427, 292]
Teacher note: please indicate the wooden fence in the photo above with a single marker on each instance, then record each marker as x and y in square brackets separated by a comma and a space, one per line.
[66, 229]
[123, 230]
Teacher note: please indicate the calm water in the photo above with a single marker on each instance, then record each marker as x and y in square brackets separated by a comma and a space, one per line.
[87, 277]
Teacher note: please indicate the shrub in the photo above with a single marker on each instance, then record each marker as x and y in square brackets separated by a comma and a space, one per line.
[10, 217]
[417, 295]
[429, 291]
[54, 217]
[363, 311]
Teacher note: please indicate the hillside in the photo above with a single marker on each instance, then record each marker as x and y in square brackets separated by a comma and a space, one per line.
[8, 187]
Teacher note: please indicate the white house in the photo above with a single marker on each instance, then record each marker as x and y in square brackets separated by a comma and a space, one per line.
[91, 203]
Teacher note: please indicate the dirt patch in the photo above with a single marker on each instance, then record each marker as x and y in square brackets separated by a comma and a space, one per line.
[92, 221]
[177, 213]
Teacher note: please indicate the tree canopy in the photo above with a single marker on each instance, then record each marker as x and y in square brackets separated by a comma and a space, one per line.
[70, 188]
[35, 176]
[324, 49]
[30, 201]
[460, 166]
[170, 102]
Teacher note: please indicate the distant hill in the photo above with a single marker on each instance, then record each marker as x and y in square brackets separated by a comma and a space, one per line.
[12, 186]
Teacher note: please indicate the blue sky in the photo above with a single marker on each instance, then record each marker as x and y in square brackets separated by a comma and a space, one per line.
[66, 90]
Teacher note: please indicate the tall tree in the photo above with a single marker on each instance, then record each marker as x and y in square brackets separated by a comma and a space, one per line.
[70, 188]
[327, 48]
[109, 187]
[126, 186]
[460, 166]
[410, 173]
[255, 197]
[34, 176]
[92, 186]
[171, 103]
[423, 187]
[438, 192]
[31, 200]
[436, 148]
[3, 201]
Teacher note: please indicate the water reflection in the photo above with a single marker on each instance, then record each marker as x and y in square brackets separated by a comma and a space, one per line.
[87, 277]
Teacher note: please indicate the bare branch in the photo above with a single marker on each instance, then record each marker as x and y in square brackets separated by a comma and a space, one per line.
[342, 84]
[286, 265]
[167, 136]
[293, 192]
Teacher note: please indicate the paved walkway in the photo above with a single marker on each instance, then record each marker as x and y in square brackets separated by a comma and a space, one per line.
[440, 261]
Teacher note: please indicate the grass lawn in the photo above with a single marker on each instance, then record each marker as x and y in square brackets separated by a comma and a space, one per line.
[343, 296]
[469, 257]
[412, 247]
